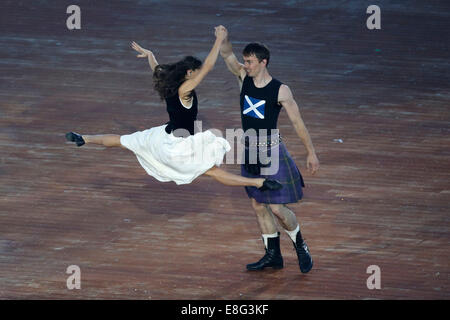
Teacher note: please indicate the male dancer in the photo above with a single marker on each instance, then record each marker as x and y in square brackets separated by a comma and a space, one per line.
[257, 85]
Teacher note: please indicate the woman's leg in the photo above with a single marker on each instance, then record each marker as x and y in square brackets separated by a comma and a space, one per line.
[107, 140]
[230, 179]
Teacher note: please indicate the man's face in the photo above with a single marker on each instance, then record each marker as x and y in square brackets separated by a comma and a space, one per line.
[252, 65]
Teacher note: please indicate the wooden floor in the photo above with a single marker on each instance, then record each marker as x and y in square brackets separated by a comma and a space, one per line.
[381, 196]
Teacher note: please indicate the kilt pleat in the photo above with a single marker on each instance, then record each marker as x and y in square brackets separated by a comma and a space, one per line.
[288, 175]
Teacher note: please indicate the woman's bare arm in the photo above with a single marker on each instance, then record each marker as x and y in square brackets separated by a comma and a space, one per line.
[207, 66]
[144, 53]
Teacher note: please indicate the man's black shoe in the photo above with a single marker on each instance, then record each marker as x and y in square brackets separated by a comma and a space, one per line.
[270, 184]
[75, 137]
[304, 256]
[272, 258]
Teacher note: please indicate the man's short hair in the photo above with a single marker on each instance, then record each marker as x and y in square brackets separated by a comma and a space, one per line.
[259, 50]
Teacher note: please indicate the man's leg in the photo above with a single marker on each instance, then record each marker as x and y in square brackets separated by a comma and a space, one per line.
[265, 218]
[271, 238]
[284, 215]
[288, 221]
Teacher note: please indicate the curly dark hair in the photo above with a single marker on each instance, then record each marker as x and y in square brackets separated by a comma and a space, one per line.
[167, 78]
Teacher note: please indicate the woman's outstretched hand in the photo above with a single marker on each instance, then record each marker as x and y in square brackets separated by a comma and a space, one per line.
[144, 53]
[220, 32]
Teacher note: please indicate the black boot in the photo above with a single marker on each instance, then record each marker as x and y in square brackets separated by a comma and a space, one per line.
[75, 137]
[304, 256]
[270, 185]
[272, 258]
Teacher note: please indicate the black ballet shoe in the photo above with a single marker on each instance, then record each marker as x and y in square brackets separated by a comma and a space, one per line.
[75, 137]
[270, 185]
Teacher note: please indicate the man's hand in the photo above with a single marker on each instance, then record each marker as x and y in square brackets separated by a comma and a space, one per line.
[226, 49]
[144, 53]
[312, 163]
[221, 32]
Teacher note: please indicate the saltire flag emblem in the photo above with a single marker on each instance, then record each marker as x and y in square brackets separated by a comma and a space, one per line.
[254, 107]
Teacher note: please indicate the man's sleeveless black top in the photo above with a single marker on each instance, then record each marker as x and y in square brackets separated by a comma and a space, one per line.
[259, 106]
[180, 116]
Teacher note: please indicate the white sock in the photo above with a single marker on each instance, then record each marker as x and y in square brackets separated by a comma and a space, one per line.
[267, 236]
[293, 233]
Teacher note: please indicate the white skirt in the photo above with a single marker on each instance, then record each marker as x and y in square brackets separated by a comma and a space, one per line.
[169, 158]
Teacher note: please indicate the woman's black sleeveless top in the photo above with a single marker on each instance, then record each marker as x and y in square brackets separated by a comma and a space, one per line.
[181, 117]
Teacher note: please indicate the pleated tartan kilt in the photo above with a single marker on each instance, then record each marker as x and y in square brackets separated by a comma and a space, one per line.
[288, 175]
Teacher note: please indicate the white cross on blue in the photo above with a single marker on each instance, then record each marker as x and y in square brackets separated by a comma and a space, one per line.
[254, 107]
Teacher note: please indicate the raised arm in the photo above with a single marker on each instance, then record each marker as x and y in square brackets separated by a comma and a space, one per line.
[286, 99]
[235, 67]
[144, 53]
[207, 66]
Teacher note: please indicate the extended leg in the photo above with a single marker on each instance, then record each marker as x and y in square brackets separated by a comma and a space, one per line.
[107, 140]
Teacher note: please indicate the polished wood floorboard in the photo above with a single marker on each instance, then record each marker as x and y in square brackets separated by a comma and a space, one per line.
[376, 103]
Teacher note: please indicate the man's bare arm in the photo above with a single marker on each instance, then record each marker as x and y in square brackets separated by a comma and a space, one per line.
[286, 99]
[235, 67]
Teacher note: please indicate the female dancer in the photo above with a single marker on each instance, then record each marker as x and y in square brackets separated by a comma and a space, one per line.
[172, 152]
